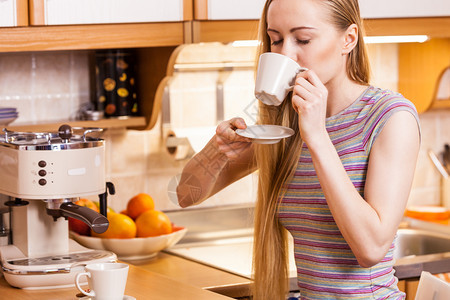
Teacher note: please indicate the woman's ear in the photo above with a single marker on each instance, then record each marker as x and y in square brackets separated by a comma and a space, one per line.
[350, 39]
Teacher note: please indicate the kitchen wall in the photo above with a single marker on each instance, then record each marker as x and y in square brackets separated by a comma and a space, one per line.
[51, 86]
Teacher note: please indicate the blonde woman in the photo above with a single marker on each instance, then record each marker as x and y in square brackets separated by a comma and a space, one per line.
[341, 183]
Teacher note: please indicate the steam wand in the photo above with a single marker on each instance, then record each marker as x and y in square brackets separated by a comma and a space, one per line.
[103, 198]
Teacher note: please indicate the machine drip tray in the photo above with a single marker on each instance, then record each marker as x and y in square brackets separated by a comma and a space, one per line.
[71, 258]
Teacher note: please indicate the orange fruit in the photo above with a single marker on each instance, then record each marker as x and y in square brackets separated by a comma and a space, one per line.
[120, 227]
[153, 223]
[139, 204]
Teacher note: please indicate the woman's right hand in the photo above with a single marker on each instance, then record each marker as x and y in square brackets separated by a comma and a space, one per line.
[228, 142]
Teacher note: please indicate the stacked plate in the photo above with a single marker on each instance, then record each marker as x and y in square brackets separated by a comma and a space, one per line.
[7, 115]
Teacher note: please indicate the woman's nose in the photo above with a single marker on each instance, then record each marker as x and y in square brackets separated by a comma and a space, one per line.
[289, 51]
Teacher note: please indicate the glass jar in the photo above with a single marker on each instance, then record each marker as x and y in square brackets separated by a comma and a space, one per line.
[115, 72]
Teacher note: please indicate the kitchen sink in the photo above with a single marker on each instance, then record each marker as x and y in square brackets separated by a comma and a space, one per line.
[222, 238]
[415, 242]
[420, 250]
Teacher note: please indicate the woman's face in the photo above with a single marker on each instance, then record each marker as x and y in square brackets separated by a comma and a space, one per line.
[301, 30]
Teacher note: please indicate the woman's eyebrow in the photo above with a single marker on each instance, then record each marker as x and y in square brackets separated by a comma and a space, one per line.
[292, 29]
[302, 28]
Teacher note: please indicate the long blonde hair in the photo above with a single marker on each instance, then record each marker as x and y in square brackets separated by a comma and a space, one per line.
[277, 162]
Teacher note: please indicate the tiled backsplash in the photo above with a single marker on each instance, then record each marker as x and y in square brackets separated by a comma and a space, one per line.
[51, 86]
[44, 86]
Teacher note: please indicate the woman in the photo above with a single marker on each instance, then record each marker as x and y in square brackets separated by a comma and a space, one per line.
[341, 183]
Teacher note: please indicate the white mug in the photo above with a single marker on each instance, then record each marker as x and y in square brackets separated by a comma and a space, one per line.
[275, 77]
[107, 281]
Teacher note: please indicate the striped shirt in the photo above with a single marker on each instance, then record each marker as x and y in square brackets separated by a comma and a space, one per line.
[326, 266]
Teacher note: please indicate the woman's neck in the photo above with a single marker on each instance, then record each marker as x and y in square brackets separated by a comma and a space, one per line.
[341, 94]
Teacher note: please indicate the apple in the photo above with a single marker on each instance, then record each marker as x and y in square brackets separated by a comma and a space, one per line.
[108, 210]
[79, 226]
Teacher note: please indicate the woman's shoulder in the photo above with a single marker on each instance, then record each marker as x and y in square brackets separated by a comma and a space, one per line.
[384, 100]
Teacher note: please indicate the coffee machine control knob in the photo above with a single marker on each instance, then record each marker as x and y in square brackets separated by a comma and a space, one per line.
[65, 132]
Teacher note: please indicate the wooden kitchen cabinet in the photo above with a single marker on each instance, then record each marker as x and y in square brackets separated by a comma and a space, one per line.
[409, 286]
[70, 12]
[375, 9]
[13, 13]
[420, 67]
[228, 10]
[203, 21]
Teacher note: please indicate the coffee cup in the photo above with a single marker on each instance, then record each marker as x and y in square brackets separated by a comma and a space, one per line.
[106, 281]
[275, 77]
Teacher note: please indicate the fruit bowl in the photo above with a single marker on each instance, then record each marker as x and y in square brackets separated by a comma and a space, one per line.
[132, 249]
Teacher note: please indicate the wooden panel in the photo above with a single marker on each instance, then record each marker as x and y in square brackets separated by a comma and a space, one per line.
[402, 285]
[420, 65]
[188, 10]
[433, 27]
[104, 123]
[22, 12]
[227, 31]
[224, 31]
[100, 36]
[37, 12]
[152, 67]
[411, 288]
[200, 9]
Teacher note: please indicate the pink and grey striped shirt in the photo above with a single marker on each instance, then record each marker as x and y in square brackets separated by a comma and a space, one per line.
[326, 266]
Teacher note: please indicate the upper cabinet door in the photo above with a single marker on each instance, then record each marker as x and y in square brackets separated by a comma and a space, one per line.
[13, 13]
[228, 9]
[64, 12]
[376, 9]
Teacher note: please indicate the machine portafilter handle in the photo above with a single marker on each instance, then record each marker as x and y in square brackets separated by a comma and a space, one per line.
[96, 221]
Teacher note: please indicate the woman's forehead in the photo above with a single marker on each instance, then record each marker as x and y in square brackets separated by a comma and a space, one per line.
[296, 13]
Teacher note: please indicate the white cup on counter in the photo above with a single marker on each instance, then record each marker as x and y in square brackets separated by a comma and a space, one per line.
[275, 77]
[106, 281]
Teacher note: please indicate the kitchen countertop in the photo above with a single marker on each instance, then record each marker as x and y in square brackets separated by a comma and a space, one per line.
[197, 274]
[141, 284]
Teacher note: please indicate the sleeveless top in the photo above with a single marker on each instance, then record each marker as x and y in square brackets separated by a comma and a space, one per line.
[326, 266]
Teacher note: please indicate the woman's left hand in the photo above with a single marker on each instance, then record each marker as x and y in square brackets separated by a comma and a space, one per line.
[309, 100]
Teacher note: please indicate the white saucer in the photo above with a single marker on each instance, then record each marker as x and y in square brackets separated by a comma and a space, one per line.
[125, 297]
[265, 134]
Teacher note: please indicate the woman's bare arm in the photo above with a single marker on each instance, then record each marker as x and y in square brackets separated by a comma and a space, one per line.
[225, 159]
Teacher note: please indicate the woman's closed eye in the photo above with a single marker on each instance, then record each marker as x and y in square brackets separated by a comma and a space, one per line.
[302, 42]
[298, 41]
[277, 42]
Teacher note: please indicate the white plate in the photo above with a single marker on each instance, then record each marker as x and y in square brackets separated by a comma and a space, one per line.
[132, 249]
[8, 115]
[7, 109]
[265, 134]
[5, 122]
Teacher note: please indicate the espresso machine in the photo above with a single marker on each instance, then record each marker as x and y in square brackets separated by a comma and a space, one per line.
[41, 176]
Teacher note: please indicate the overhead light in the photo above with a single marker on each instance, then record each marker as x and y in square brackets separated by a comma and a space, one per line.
[395, 39]
[245, 43]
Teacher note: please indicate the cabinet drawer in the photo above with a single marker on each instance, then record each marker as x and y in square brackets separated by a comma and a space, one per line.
[13, 13]
[64, 12]
[375, 9]
[228, 9]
